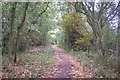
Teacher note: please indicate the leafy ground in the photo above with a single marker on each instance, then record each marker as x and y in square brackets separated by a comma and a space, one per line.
[68, 67]
[98, 70]
[54, 62]
[33, 63]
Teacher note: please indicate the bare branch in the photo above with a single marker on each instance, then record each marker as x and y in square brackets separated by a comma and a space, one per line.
[113, 16]
[88, 7]
[113, 12]
[102, 8]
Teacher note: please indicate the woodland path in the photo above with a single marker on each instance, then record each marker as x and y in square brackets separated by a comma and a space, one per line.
[67, 66]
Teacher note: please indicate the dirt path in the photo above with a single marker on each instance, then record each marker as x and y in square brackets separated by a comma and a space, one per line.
[64, 63]
[66, 66]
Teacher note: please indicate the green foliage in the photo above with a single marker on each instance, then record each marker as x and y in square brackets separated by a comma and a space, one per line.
[32, 61]
[108, 41]
[46, 58]
[77, 32]
[99, 70]
[58, 23]
[35, 28]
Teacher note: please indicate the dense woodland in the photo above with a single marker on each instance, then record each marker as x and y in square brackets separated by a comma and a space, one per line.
[87, 31]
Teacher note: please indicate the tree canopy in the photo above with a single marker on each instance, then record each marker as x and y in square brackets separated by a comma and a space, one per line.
[88, 30]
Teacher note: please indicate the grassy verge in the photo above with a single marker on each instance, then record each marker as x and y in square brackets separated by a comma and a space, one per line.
[33, 64]
[91, 59]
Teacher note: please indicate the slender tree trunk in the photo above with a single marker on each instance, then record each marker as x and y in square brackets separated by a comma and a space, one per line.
[10, 49]
[97, 22]
[118, 30]
[100, 49]
[97, 30]
[20, 27]
[118, 40]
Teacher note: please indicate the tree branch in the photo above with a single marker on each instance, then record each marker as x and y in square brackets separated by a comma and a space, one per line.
[116, 9]
[39, 15]
[12, 11]
[102, 8]
[18, 33]
[88, 8]
[44, 10]
[24, 16]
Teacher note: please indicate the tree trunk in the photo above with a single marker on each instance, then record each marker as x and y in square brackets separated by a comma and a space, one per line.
[10, 49]
[118, 40]
[97, 22]
[20, 27]
[100, 49]
[118, 30]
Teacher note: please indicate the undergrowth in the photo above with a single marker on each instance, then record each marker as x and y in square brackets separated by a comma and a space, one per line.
[36, 63]
[92, 59]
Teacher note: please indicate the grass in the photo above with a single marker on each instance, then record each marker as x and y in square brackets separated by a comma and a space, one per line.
[45, 58]
[37, 63]
[92, 58]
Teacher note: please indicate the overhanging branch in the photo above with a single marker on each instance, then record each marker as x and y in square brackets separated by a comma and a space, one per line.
[44, 10]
